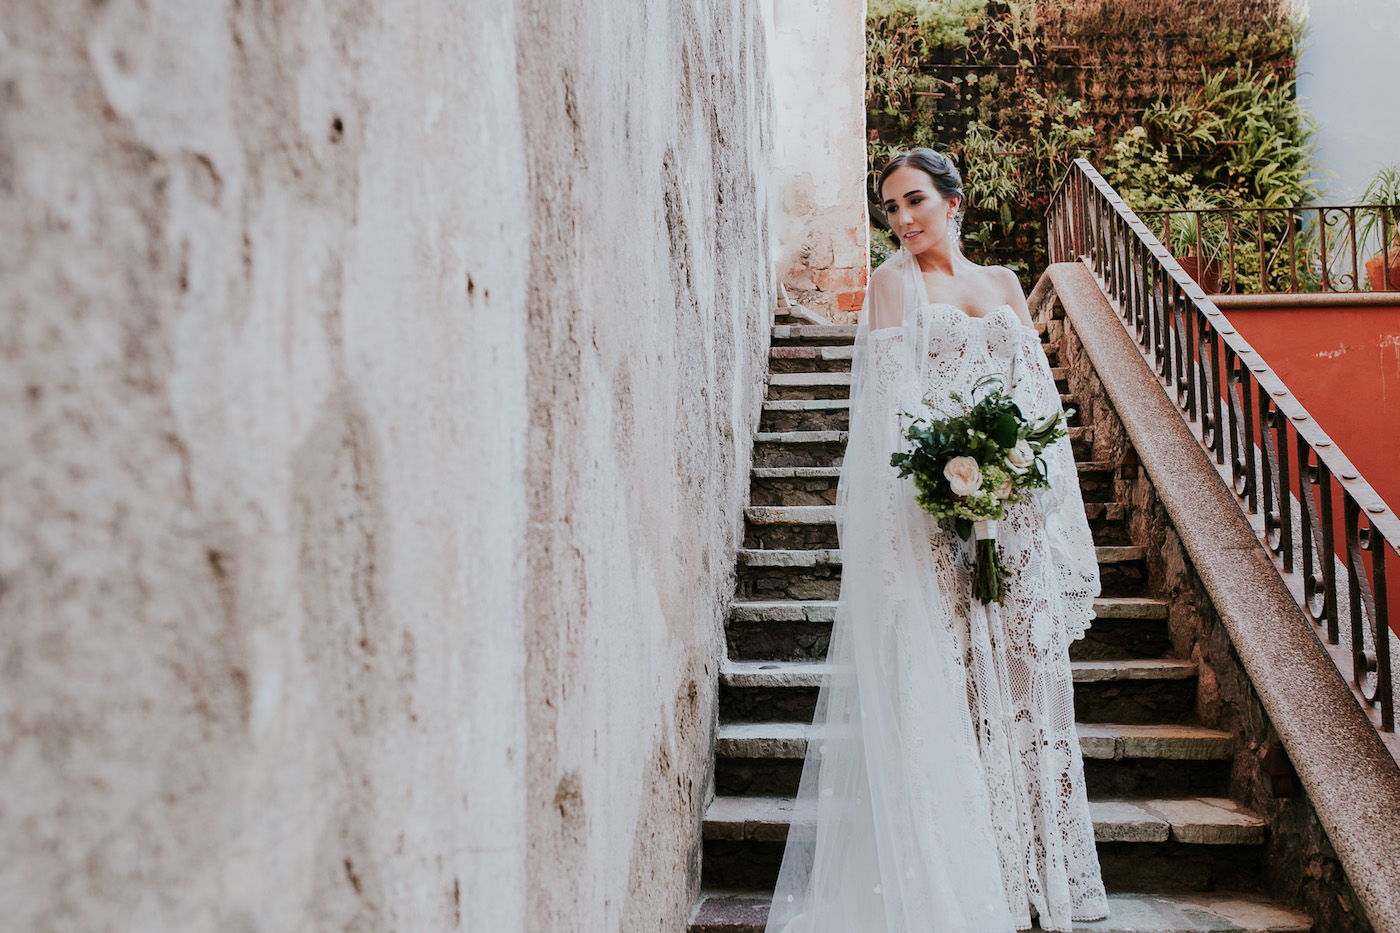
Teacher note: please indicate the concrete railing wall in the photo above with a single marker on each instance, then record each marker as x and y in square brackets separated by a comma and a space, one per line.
[376, 385]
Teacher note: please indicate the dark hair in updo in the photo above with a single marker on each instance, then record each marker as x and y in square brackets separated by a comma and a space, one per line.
[935, 164]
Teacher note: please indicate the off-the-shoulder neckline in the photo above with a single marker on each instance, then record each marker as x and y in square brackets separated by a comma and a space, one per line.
[1004, 306]
[976, 317]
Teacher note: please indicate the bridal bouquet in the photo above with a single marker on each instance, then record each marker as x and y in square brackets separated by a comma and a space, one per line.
[970, 466]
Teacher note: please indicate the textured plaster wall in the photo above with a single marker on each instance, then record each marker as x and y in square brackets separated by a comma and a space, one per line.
[819, 153]
[376, 382]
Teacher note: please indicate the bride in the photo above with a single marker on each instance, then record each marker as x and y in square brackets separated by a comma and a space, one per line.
[943, 790]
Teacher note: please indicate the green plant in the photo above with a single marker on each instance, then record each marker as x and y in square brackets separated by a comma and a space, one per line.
[1180, 104]
[1383, 192]
[882, 245]
[941, 23]
[993, 173]
[1146, 176]
[1199, 229]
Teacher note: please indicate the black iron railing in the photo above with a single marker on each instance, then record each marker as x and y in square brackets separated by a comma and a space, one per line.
[1291, 250]
[1320, 518]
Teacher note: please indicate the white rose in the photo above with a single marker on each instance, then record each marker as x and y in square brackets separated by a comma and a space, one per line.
[1007, 487]
[1020, 458]
[964, 476]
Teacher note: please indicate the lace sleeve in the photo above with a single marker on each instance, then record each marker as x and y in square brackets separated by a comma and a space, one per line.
[886, 352]
[1061, 506]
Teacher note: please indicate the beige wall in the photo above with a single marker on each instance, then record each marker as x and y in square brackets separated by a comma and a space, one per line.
[819, 153]
[376, 381]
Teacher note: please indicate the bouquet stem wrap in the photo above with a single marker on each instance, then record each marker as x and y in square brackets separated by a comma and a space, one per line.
[988, 572]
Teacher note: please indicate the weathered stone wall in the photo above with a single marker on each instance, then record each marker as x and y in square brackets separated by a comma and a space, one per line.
[376, 382]
[819, 153]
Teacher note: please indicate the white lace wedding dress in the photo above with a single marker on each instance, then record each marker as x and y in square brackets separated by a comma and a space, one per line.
[943, 790]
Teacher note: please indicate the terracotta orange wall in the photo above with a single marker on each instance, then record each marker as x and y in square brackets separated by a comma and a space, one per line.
[1343, 364]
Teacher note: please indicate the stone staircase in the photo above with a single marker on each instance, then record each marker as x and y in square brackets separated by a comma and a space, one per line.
[1177, 853]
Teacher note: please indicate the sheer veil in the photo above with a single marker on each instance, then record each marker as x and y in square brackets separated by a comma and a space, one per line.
[891, 828]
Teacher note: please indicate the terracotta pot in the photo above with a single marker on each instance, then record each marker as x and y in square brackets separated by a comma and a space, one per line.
[1375, 265]
[1207, 274]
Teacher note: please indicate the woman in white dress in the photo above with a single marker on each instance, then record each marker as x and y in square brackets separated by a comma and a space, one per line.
[943, 790]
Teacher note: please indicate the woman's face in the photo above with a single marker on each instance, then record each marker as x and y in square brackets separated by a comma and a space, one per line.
[919, 215]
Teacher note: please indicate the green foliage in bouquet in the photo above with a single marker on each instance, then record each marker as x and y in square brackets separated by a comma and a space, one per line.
[968, 467]
[992, 431]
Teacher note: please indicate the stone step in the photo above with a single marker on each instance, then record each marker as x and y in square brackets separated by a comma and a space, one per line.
[808, 359]
[834, 473]
[809, 379]
[798, 438]
[790, 527]
[793, 485]
[821, 414]
[1117, 690]
[778, 674]
[1098, 741]
[791, 514]
[1148, 845]
[1108, 523]
[787, 610]
[825, 334]
[1213, 912]
[808, 404]
[803, 574]
[828, 473]
[784, 529]
[1192, 821]
[800, 560]
[799, 448]
[1120, 759]
[809, 385]
[1096, 480]
[798, 627]
[1081, 441]
[825, 516]
[816, 485]
[1095, 466]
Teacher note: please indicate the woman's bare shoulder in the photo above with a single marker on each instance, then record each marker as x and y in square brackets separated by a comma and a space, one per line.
[1008, 284]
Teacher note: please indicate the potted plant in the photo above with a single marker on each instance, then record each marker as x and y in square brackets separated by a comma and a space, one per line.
[1198, 241]
[1383, 195]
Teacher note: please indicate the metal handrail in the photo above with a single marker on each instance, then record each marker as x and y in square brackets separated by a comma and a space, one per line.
[1317, 248]
[1245, 416]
